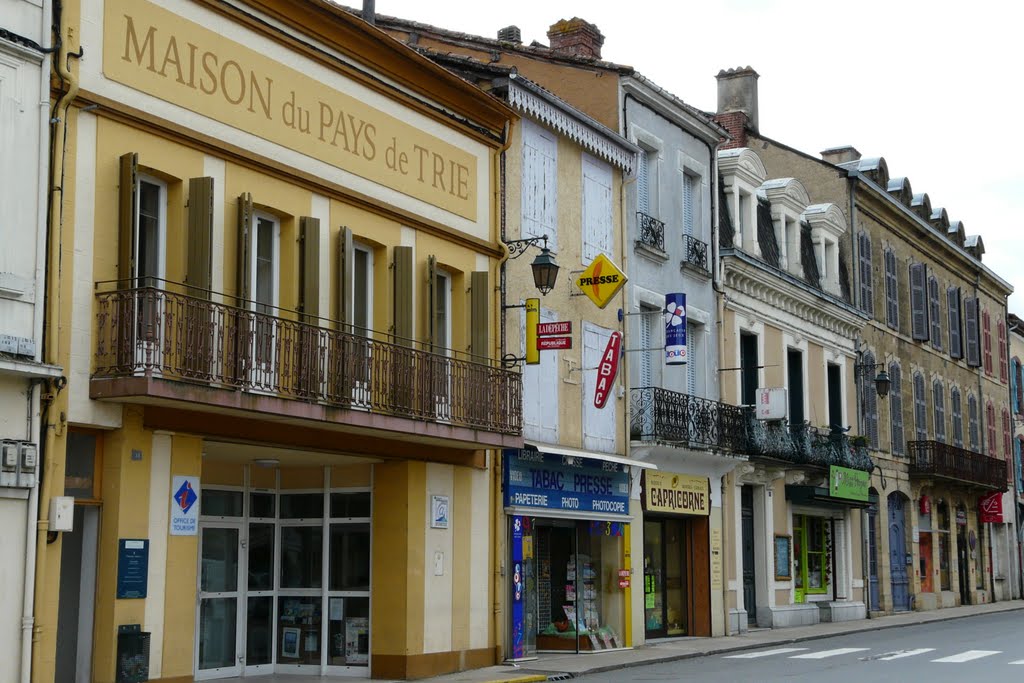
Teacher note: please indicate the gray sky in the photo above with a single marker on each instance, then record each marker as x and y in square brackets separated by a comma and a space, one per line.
[931, 86]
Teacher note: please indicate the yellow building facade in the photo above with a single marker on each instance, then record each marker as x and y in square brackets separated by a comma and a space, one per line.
[276, 309]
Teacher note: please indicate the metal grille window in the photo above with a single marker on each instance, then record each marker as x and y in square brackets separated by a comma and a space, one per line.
[918, 303]
[986, 337]
[892, 303]
[973, 433]
[958, 417]
[867, 303]
[870, 403]
[956, 349]
[896, 410]
[939, 404]
[934, 313]
[920, 409]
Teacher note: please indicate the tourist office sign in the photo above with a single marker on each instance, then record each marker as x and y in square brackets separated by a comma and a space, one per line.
[546, 481]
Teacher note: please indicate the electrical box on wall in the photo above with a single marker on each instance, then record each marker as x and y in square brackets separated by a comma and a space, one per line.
[62, 513]
[18, 463]
[9, 463]
[27, 461]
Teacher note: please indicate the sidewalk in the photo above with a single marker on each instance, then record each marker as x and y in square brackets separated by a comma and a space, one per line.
[562, 667]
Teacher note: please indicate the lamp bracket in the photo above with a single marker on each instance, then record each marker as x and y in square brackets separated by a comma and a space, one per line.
[517, 248]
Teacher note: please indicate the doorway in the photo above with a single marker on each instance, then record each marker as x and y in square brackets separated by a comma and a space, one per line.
[873, 592]
[749, 563]
[219, 605]
[900, 581]
[77, 597]
[665, 579]
[963, 556]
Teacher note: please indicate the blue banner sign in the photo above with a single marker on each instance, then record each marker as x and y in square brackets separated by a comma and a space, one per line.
[675, 329]
[518, 589]
[562, 482]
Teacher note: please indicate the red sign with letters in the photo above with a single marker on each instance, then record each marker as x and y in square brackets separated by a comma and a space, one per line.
[551, 329]
[991, 508]
[551, 343]
[607, 369]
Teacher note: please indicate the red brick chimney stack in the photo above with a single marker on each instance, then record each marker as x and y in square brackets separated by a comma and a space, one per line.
[737, 104]
[575, 38]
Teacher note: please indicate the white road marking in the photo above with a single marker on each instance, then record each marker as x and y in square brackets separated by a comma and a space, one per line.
[967, 656]
[765, 653]
[900, 654]
[1019, 661]
[830, 653]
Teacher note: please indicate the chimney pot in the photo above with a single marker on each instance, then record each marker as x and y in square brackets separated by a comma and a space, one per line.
[510, 34]
[737, 92]
[840, 155]
[575, 38]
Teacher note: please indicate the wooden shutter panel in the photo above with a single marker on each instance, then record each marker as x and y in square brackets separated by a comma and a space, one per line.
[918, 303]
[310, 271]
[971, 330]
[433, 292]
[866, 288]
[346, 271]
[403, 295]
[643, 196]
[127, 212]
[892, 309]
[480, 299]
[199, 269]
[953, 304]
[244, 265]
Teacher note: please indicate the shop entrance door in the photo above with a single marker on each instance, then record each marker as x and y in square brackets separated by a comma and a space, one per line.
[749, 566]
[219, 654]
[963, 566]
[873, 595]
[898, 554]
[665, 608]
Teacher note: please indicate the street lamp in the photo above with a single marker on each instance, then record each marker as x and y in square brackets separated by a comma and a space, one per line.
[545, 270]
[882, 382]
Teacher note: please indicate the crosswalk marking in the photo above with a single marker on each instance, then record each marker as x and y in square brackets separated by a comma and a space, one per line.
[904, 653]
[967, 656]
[766, 653]
[830, 653]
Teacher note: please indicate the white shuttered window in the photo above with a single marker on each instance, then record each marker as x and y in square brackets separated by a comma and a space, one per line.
[597, 208]
[540, 183]
[540, 390]
[643, 183]
[690, 185]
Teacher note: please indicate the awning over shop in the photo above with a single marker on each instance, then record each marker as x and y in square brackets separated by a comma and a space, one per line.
[819, 496]
[593, 455]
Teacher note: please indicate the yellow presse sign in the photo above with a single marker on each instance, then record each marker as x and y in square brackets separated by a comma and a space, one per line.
[601, 281]
[679, 494]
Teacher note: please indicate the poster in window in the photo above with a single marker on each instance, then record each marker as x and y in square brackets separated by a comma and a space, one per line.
[783, 558]
[290, 642]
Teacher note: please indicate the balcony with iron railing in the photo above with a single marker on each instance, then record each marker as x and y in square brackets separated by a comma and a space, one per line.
[943, 461]
[695, 254]
[803, 444]
[650, 231]
[174, 344]
[661, 415]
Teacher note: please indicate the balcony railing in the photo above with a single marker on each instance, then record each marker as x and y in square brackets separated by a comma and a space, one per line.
[663, 415]
[150, 331]
[695, 253]
[803, 444]
[651, 231]
[943, 461]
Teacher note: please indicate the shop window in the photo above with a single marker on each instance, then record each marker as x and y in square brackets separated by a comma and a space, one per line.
[811, 555]
[943, 532]
[350, 557]
[301, 557]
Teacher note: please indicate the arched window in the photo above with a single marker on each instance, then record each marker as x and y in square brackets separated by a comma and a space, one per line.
[920, 409]
[870, 402]
[896, 411]
[958, 417]
[973, 433]
[939, 404]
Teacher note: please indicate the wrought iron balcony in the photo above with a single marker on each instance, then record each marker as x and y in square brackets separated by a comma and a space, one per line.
[650, 230]
[803, 444]
[166, 336]
[943, 461]
[695, 253]
[662, 415]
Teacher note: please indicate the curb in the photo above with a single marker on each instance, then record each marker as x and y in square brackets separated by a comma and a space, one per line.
[519, 679]
[1016, 606]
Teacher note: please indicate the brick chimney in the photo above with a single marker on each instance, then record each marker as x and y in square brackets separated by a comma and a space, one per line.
[737, 103]
[575, 38]
[840, 155]
[510, 34]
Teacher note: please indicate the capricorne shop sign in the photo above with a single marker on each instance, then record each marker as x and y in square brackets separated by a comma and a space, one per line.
[676, 493]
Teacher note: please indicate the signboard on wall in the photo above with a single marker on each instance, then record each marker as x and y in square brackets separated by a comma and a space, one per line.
[132, 568]
[601, 281]
[184, 506]
[607, 369]
[847, 483]
[679, 494]
[561, 482]
[675, 329]
[991, 508]
[771, 403]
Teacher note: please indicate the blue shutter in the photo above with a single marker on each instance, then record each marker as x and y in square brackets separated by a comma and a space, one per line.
[956, 349]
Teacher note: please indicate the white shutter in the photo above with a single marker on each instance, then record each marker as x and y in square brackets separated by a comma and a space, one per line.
[540, 390]
[599, 424]
[643, 191]
[597, 208]
[689, 199]
[693, 358]
[647, 320]
[540, 183]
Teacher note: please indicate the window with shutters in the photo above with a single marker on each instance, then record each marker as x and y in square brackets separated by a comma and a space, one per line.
[892, 291]
[870, 403]
[540, 389]
[1018, 453]
[990, 428]
[647, 182]
[695, 359]
[442, 340]
[362, 289]
[935, 313]
[690, 187]
[597, 208]
[1006, 433]
[939, 405]
[918, 302]
[749, 372]
[540, 183]
[956, 349]
[151, 231]
[599, 424]
[920, 409]
[266, 263]
[1001, 337]
[971, 332]
[867, 303]
[1016, 404]
[973, 431]
[648, 319]
[986, 340]
[956, 413]
[896, 410]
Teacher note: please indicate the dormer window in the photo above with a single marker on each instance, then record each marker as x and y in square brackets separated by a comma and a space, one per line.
[828, 225]
[742, 173]
[788, 199]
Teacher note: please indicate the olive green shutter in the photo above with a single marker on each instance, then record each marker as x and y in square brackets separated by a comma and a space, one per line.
[433, 291]
[244, 247]
[310, 270]
[403, 269]
[199, 269]
[346, 271]
[126, 218]
[479, 304]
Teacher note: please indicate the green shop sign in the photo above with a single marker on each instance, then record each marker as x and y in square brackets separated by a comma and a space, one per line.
[846, 483]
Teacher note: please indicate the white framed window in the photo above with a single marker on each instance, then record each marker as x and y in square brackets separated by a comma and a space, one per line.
[266, 263]
[442, 312]
[597, 208]
[540, 183]
[150, 231]
[694, 359]
[362, 289]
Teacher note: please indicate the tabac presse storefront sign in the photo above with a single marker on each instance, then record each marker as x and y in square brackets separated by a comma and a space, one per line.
[558, 482]
[680, 494]
[844, 482]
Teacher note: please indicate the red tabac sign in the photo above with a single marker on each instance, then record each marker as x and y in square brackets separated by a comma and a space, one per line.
[991, 508]
[607, 369]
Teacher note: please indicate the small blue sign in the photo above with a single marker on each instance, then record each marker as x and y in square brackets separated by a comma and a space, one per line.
[132, 567]
[518, 588]
[675, 329]
[562, 482]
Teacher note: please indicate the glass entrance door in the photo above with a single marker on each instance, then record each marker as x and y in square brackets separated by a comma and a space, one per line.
[219, 651]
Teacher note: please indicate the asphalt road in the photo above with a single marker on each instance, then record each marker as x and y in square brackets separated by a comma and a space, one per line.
[969, 650]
